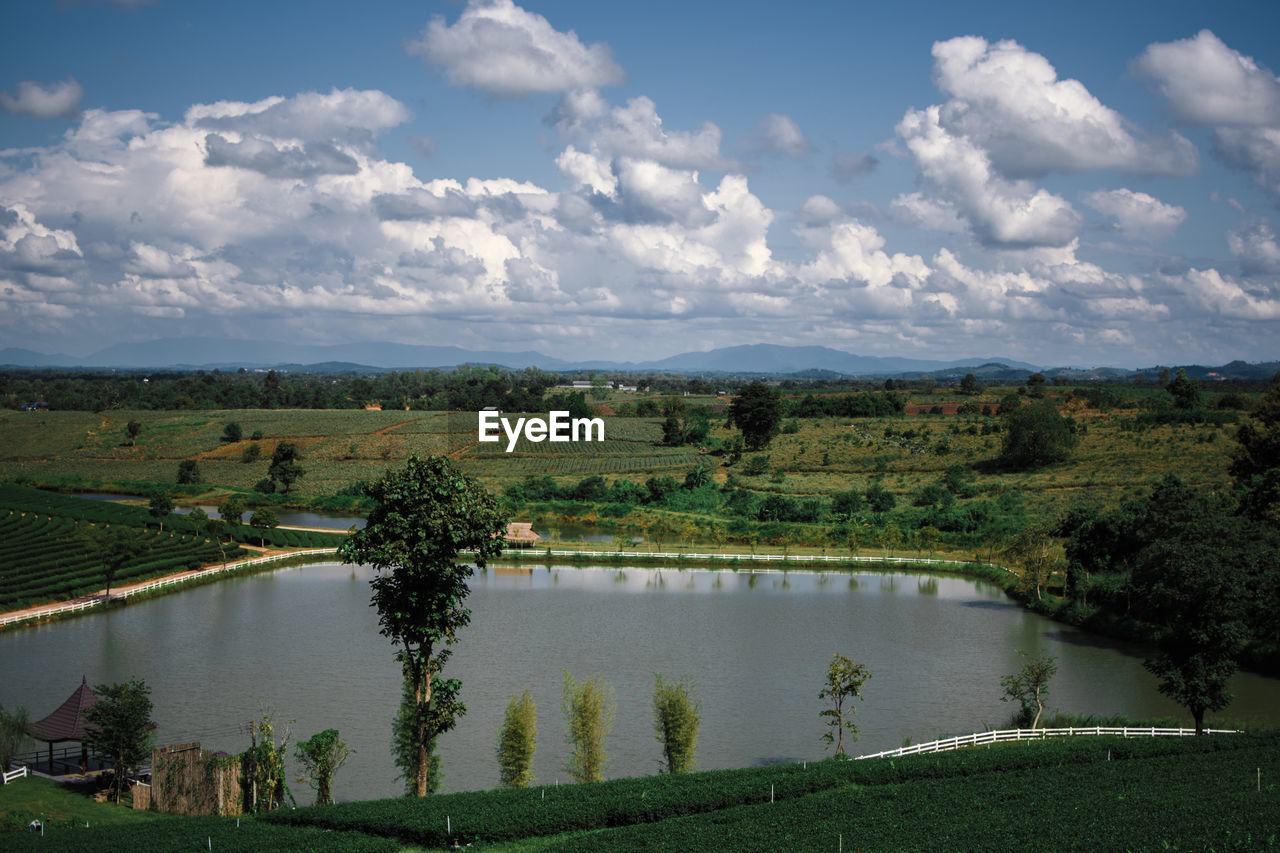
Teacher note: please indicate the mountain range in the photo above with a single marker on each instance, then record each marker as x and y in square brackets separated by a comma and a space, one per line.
[765, 359]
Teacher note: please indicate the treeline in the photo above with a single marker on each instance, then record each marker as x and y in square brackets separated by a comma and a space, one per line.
[462, 389]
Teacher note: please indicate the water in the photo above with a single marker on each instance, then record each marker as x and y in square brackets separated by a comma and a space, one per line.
[287, 519]
[305, 642]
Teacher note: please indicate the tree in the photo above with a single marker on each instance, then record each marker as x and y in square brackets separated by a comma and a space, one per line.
[676, 715]
[757, 411]
[114, 546]
[232, 511]
[844, 681]
[969, 385]
[1028, 687]
[1193, 584]
[15, 735]
[232, 432]
[1035, 435]
[588, 709]
[1186, 392]
[322, 756]
[131, 430]
[1255, 464]
[262, 520]
[284, 465]
[160, 507]
[407, 732]
[517, 742]
[188, 472]
[121, 726]
[424, 516]
[265, 787]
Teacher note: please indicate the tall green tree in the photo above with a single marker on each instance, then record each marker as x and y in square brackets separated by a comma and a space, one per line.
[131, 430]
[1035, 435]
[1185, 391]
[1028, 687]
[677, 713]
[264, 784]
[322, 756]
[232, 510]
[425, 516]
[757, 411]
[160, 507]
[121, 727]
[589, 710]
[517, 742]
[284, 467]
[1255, 464]
[188, 472]
[844, 683]
[263, 519]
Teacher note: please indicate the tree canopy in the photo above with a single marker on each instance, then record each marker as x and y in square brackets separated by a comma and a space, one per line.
[425, 516]
[121, 726]
[757, 411]
[1035, 435]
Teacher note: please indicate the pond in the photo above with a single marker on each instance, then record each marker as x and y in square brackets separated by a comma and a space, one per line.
[304, 642]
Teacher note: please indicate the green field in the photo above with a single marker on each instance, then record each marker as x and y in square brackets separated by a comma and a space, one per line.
[1220, 792]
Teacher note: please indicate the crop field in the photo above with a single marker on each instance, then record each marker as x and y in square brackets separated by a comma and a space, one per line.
[1219, 792]
[46, 558]
[1118, 454]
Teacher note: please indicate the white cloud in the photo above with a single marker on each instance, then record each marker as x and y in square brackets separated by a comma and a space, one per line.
[505, 50]
[1000, 211]
[779, 134]
[44, 100]
[1256, 247]
[1223, 295]
[636, 130]
[1255, 150]
[1208, 83]
[1137, 215]
[1009, 101]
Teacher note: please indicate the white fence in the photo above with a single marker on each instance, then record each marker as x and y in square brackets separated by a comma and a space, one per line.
[980, 738]
[12, 775]
[96, 601]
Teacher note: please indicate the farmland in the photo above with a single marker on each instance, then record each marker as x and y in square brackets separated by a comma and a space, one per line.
[1216, 792]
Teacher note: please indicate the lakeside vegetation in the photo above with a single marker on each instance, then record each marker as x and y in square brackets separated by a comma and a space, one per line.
[1219, 792]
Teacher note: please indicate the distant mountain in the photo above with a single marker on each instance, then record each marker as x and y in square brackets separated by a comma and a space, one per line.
[759, 359]
[18, 357]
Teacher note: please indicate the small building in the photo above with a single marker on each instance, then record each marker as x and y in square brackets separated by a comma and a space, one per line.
[521, 534]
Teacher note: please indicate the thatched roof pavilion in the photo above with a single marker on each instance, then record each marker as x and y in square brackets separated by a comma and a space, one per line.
[521, 533]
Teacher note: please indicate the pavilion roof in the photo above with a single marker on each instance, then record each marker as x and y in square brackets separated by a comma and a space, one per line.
[68, 722]
[521, 531]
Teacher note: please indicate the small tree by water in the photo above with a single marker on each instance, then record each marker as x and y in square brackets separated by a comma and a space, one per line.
[676, 716]
[517, 742]
[844, 681]
[321, 756]
[589, 709]
[1028, 687]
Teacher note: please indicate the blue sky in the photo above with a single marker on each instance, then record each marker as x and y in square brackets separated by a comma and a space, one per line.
[1086, 184]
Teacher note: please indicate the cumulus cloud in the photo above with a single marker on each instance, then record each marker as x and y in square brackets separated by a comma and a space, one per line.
[44, 100]
[505, 50]
[348, 115]
[1254, 243]
[1208, 83]
[261, 155]
[1137, 215]
[636, 130]
[1001, 212]
[779, 134]
[1010, 102]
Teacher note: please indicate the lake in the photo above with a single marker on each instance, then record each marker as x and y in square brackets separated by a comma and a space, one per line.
[304, 642]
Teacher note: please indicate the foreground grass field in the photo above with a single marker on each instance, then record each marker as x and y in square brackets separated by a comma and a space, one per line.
[1220, 792]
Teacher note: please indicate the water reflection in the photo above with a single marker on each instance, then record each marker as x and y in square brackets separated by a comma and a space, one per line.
[306, 642]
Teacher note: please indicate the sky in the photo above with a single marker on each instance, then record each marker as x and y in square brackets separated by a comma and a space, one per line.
[1078, 184]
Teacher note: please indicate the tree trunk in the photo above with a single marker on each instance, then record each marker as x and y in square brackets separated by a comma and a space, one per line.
[1197, 712]
[420, 677]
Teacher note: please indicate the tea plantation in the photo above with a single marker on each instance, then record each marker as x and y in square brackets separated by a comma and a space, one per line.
[1220, 792]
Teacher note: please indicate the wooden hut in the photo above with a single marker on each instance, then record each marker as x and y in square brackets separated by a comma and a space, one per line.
[67, 723]
[520, 534]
